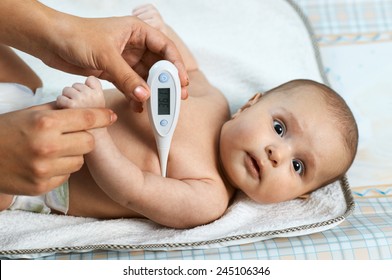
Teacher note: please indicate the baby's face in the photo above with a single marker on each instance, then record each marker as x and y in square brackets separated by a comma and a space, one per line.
[283, 146]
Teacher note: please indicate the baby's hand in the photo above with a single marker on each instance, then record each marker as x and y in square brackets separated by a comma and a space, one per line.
[150, 14]
[89, 94]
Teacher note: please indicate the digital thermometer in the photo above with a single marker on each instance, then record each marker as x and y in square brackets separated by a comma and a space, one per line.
[164, 106]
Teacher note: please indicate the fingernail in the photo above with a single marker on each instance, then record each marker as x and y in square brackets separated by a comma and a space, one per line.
[184, 93]
[140, 93]
[187, 80]
[113, 116]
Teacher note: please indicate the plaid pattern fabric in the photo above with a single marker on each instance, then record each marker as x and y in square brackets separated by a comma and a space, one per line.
[355, 21]
[369, 192]
[367, 234]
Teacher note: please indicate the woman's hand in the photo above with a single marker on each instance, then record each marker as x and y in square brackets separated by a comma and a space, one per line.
[40, 147]
[118, 49]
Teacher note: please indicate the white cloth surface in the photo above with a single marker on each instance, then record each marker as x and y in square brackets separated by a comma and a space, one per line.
[26, 230]
[242, 47]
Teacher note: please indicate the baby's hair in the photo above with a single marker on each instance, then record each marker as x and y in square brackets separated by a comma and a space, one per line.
[340, 112]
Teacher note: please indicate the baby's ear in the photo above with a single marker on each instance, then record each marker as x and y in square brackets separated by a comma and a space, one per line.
[251, 101]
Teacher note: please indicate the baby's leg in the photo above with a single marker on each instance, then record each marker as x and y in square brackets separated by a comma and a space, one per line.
[14, 70]
[149, 14]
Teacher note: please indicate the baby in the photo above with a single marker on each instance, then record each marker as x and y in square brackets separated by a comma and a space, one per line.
[279, 146]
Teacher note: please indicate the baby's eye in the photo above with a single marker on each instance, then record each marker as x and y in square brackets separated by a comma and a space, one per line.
[298, 166]
[279, 128]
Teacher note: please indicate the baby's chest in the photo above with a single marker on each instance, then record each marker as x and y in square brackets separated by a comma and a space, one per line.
[193, 150]
[136, 142]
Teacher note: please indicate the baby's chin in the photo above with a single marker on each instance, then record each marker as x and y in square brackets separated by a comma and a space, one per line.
[269, 198]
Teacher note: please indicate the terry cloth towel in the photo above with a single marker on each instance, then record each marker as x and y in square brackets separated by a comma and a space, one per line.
[243, 48]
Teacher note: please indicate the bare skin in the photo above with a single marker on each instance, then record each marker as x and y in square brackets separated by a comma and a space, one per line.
[14, 70]
[191, 188]
[273, 150]
[124, 57]
[194, 183]
[133, 130]
[42, 146]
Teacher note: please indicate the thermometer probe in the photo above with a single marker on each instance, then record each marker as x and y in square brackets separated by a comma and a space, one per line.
[164, 106]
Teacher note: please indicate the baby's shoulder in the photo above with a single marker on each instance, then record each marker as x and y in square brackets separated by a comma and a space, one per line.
[212, 106]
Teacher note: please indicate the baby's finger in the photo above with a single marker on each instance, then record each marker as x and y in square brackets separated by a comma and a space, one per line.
[80, 86]
[93, 83]
[70, 92]
[63, 102]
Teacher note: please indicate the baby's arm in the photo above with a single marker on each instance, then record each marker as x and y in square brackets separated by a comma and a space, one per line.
[170, 202]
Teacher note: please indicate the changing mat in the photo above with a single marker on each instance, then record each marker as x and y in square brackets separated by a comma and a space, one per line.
[243, 48]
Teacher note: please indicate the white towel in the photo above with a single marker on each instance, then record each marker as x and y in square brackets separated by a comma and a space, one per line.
[242, 47]
[245, 221]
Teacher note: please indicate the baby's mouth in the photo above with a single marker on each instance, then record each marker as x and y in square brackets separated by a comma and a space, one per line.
[253, 166]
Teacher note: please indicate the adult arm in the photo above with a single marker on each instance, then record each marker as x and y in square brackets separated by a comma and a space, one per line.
[118, 49]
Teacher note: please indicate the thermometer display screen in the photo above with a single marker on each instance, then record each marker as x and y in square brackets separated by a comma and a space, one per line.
[164, 101]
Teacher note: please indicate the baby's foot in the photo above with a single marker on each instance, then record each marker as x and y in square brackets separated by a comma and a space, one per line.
[149, 14]
[89, 94]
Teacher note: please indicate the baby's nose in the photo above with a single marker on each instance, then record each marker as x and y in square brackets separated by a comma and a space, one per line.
[275, 155]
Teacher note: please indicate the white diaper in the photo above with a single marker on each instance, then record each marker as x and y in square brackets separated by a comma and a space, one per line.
[57, 199]
[15, 96]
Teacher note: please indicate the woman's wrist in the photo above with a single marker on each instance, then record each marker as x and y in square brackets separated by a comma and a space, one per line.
[55, 29]
[64, 29]
[32, 27]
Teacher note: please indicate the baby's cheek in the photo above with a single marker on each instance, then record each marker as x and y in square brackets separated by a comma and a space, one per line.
[249, 135]
[278, 186]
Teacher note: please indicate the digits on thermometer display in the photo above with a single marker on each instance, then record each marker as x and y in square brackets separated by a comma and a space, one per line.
[164, 106]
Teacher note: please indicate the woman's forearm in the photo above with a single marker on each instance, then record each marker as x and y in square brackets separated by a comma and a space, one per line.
[30, 26]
